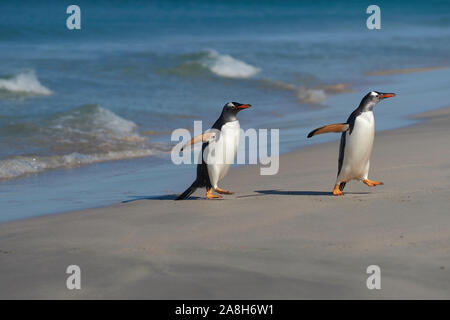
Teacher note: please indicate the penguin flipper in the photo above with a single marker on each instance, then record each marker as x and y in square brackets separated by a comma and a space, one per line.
[204, 137]
[335, 127]
[188, 191]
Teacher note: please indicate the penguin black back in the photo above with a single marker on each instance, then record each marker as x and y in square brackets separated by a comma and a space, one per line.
[229, 114]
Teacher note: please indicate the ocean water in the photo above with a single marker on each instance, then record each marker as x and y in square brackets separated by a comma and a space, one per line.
[86, 115]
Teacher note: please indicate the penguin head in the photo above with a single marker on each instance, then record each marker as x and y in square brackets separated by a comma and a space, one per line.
[231, 109]
[372, 98]
[235, 107]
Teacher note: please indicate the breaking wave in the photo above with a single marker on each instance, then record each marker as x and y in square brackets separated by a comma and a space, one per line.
[221, 65]
[91, 123]
[307, 95]
[84, 135]
[319, 93]
[310, 95]
[18, 166]
[227, 66]
[24, 83]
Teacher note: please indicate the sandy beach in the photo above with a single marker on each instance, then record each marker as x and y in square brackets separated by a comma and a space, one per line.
[277, 237]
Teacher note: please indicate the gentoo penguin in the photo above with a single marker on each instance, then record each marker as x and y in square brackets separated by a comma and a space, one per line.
[224, 135]
[356, 142]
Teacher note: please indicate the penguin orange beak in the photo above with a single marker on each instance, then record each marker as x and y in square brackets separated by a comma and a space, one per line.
[244, 106]
[386, 95]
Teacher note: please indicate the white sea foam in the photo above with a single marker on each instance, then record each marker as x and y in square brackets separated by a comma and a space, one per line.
[227, 66]
[308, 95]
[21, 165]
[90, 121]
[24, 82]
[81, 136]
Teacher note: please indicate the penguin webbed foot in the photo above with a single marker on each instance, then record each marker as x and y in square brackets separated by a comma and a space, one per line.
[221, 191]
[213, 196]
[337, 191]
[210, 195]
[372, 183]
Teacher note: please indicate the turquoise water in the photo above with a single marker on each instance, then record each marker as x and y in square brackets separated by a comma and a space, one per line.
[86, 116]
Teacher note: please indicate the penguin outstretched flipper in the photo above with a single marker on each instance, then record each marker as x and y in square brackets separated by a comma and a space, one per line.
[204, 137]
[223, 134]
[357, 138]
[188, 191]
[335, 127]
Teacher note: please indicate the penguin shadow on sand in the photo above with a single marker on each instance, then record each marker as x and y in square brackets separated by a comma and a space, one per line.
[300, 192]
[161, 197]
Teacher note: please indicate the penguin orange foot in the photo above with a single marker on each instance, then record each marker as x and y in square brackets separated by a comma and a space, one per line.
[337, 191]
[210, 195]
[357, 138]
[221, 191]
[371, 183]
[209, 173]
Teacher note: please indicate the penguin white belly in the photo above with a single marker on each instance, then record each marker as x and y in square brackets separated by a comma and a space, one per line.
[225, 149]
[358, 147]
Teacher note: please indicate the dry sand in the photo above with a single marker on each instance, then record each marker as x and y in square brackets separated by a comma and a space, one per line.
[278, 237]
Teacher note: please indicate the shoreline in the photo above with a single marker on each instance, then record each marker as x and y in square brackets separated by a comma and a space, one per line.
[105, 183]
[277, 237]
[415, 118]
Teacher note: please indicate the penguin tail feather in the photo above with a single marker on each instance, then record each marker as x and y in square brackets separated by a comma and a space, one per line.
[188, 191]
[342, 186]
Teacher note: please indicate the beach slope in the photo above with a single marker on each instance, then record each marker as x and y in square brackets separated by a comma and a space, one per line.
[277, 237]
